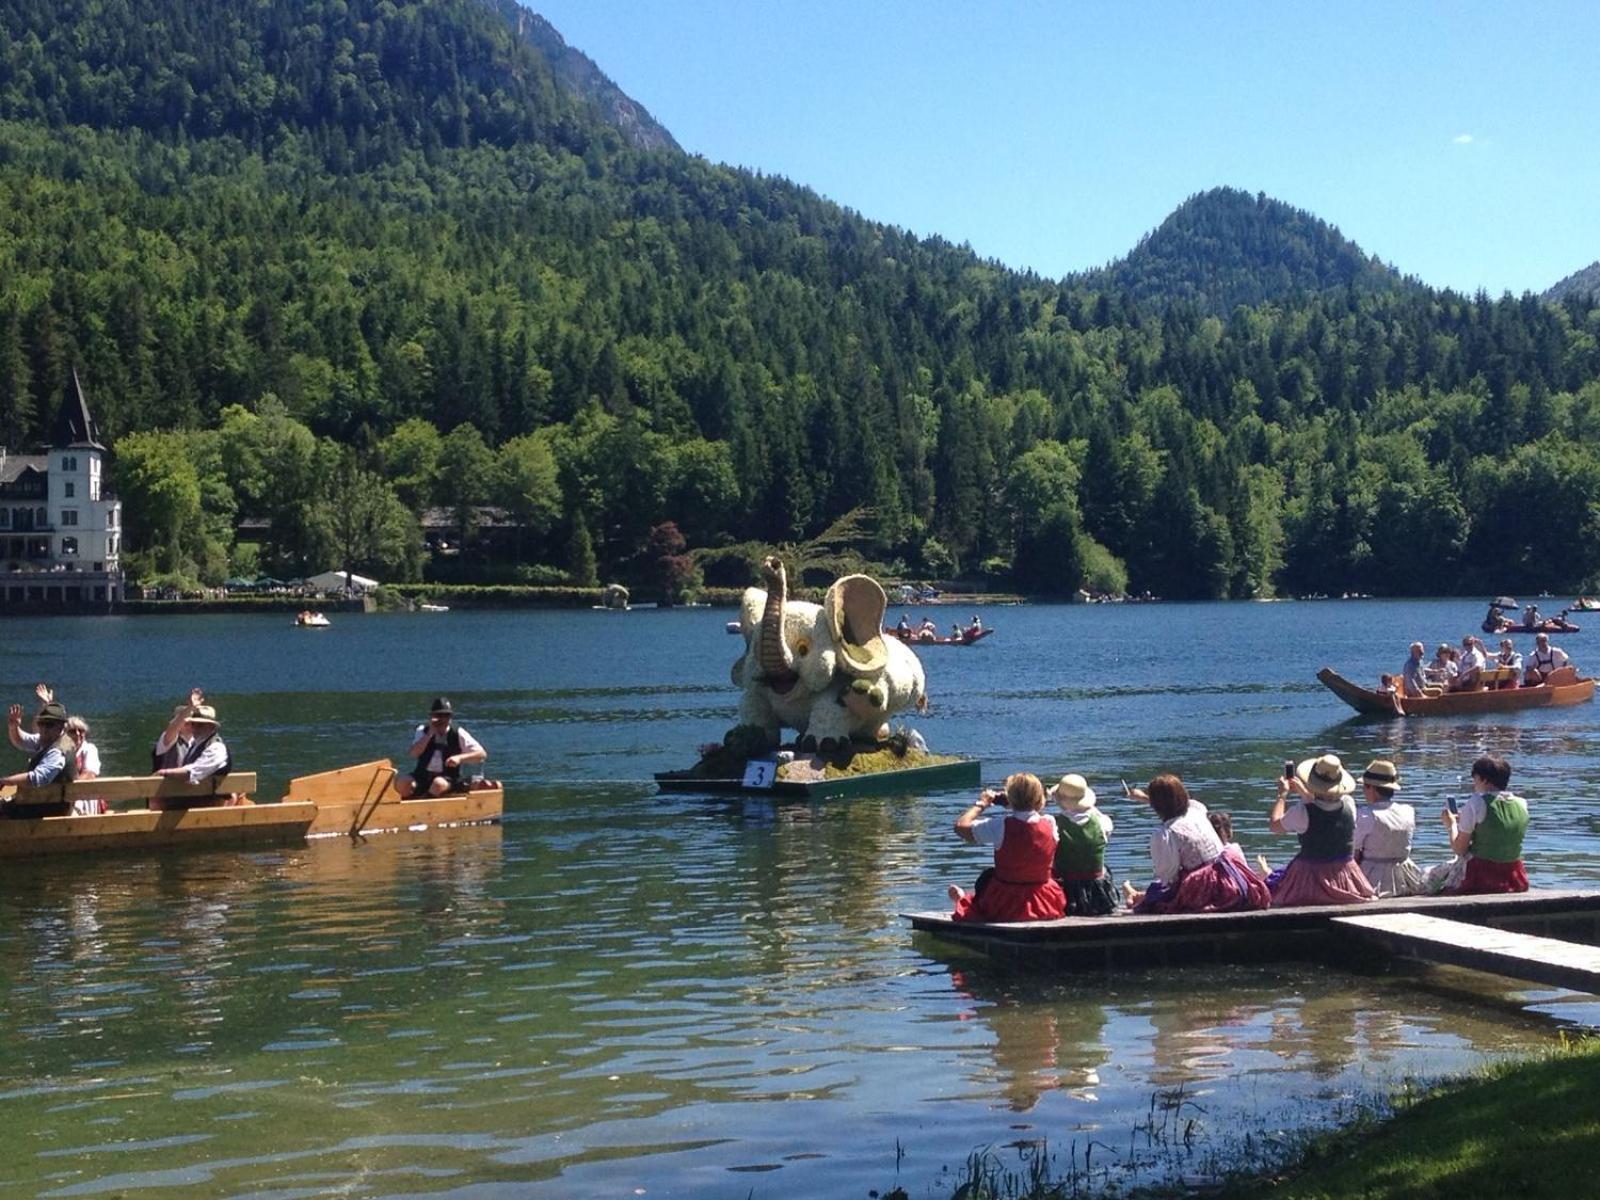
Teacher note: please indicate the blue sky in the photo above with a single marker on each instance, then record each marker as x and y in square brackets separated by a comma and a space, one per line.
[1459, 142]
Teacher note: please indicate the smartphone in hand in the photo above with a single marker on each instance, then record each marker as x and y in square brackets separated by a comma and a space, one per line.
[1452, 804]
[1288, 768]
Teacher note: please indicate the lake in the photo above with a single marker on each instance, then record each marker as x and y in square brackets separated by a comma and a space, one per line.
[617, 993]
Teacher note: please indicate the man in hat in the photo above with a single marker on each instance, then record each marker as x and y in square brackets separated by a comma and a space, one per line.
[190, 747]
[53, 758]
[441, 748]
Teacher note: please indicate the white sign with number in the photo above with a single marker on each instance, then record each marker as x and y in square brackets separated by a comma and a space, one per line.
[760, 773]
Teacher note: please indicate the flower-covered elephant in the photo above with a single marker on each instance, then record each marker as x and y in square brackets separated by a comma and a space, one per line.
[825, 671]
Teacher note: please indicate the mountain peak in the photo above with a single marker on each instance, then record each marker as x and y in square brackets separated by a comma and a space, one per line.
[1584, 284]
[1225, 247]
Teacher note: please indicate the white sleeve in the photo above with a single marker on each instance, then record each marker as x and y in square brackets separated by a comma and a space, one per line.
[1472, 813]
[90, 758]
[469, 744]
[1296, 819]
[30, 741]
[1164, 856]
[1364, 826]
[209, 762]
[990, 830]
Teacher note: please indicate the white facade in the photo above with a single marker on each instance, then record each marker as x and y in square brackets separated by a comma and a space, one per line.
[85, 520]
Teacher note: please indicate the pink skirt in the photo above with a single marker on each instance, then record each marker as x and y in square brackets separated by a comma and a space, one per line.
[1225, 885]
[1305, 882]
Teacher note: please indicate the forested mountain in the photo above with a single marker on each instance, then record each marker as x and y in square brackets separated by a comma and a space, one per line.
[1581, 284]
[1224, 248]
[327, 263]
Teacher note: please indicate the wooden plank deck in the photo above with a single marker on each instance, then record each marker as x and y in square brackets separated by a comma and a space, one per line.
[1093, 942]
[1542, 960]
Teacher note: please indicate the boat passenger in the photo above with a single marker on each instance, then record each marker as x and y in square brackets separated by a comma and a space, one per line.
[1194, 871]
[1080, 862]
[1383, 834]
[974, 627]
[441, 748]
[53, 758]
[1510, 659]
[88, 767]
[201, 753]
[1020, 886]
[1411, 673]
[1389, 687]
[1545, 660]
[929, 632]
[1324, 818]
[1531, 617]
[1441, 672]
[1495, 620]
[903, 629]
[1472, 662]
[1488, 832]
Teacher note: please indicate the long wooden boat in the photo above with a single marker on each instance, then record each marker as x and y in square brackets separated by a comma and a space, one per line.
[915, 638]
[146, 828]
[1565, 688]
[361, 800]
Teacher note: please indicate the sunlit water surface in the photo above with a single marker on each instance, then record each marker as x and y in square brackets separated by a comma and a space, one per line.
[617, 993]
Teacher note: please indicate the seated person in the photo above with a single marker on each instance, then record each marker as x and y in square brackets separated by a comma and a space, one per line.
[1442, 670]
[1531, 617]
[929, 631]
[903, 629]
[193, 750]
[1411, 673]
[1324, 818]
[1544, 661]
[1390, 688]
[1488, 831]
[1194, 871]
[1495, 620]
[53, 758]
[1080, 863]
[1020, 886]
[1510, 659]
[974, 626]
[1472, 661]
[441, 748]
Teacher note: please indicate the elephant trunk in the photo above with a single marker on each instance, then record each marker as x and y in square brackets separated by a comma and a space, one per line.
[777, 663]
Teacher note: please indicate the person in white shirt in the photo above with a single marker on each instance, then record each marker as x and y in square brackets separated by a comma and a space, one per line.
[441, 748]
[193, 739]
[1545, 660]
[1471, 665]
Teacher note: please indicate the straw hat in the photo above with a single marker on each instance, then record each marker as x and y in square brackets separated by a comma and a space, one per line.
[1381, 774]
[204, 714]
[1074, 792]
[1325, 777]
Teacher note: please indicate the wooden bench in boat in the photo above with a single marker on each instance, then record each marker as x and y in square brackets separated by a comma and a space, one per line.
[143, 828]
[361, 799]
[1092, 943]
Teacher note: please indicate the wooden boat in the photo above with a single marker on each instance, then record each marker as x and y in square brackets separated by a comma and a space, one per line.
[1563, 689]
[1547, 625]
[362, 800]
[146, 828]
[916, 638]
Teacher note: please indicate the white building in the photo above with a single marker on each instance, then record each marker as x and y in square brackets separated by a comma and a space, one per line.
[60, 526]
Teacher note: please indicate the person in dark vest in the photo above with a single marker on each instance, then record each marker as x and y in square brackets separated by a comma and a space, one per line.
[193, 750]
[1324, 817]
[53, 758]
[441, 748]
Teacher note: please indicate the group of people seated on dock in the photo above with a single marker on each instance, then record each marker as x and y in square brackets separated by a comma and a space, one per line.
[1048, 866]
[191, 748]
[929, 632]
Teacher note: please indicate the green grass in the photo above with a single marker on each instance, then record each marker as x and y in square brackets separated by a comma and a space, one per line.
[1517, 1131]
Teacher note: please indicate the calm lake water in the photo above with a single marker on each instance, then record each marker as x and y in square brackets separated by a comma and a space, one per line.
[617, 993]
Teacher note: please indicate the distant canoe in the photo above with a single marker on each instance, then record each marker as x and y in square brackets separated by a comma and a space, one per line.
[1571, 690]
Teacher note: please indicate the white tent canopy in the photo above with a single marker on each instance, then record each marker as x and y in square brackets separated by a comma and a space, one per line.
[338, 581]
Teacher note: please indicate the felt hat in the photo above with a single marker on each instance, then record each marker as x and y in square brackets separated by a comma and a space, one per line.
[1325, 778]
[205, 714]
[1074, 792]
[1381, 774]
[854, 608]
[51, 711]
[441, 704]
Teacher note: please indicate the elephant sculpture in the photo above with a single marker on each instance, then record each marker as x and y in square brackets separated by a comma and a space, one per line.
[825, 670]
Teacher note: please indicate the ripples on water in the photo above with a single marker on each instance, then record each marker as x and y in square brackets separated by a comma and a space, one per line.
[619, 991]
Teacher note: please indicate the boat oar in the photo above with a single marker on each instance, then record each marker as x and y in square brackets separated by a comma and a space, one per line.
[375, 796]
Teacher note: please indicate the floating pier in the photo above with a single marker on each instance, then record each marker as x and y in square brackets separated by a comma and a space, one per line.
[1457, 923]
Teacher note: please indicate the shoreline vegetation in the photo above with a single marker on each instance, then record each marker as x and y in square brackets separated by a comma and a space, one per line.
[1524, 1127]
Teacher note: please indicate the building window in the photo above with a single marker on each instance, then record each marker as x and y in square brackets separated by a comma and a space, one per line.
[69, 546]
[69, 516]
[67, 489]
[41, 517]
[5, 518]
[112, 549]
[70, 463]
[94, 487]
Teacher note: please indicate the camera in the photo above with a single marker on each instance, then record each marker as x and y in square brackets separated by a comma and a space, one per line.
[1288, 768]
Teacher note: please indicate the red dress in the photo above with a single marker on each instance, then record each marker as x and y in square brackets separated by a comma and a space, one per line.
[1021, 887]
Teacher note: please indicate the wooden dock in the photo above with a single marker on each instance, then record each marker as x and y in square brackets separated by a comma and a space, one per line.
[1096, 943]
[1543, 960]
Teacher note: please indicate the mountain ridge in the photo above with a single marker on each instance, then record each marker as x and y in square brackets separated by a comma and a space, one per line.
[1582, 284]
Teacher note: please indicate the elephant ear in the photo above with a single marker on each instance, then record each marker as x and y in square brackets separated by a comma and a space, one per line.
[855, 606]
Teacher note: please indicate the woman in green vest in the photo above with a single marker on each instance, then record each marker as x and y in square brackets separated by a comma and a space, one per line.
[1489, 830]
[1080, 865]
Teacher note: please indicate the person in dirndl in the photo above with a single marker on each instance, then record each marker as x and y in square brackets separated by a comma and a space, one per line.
[1323, 816]
[1020, 886]
[1080, 864]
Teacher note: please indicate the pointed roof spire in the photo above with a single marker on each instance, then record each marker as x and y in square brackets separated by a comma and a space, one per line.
[74, 426]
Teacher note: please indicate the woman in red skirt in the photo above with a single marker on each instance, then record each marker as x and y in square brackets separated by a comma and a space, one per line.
[1020, 886]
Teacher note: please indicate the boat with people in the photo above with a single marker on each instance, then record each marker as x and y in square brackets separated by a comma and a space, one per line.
[170, 813]
[1585, 604]
[917, 637]
[1495, 620]
[311, 620]
[1564, 687]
